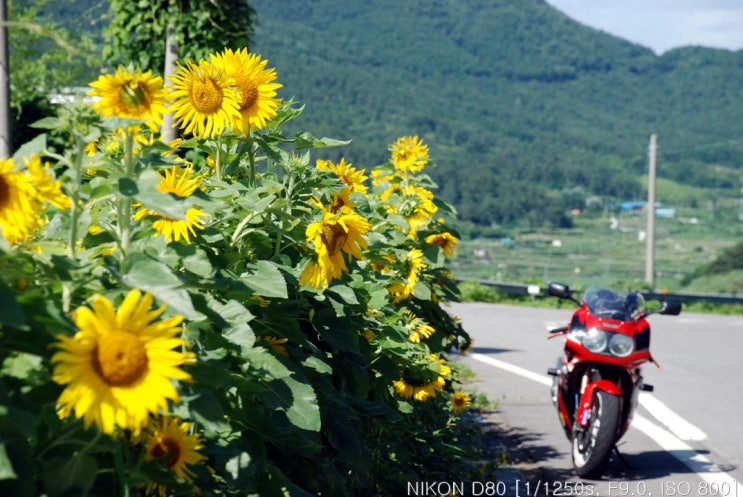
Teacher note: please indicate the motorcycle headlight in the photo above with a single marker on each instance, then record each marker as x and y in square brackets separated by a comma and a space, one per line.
[621, 345]
[595, 340]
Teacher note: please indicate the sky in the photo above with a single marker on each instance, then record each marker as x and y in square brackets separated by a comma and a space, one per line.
[663, 24]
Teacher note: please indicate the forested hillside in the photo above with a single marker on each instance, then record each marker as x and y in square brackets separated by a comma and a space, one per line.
[527, 112]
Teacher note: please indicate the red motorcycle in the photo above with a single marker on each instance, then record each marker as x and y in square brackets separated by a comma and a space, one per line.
[597, 380]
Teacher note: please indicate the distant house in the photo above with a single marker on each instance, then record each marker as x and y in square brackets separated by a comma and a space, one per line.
[640, 207]
[70, 94]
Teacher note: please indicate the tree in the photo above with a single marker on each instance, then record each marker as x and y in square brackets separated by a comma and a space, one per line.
[138, 30]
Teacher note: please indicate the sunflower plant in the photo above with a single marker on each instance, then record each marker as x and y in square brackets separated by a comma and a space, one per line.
[230, 313]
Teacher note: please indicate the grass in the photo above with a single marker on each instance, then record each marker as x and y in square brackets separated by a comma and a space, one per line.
[598, 252]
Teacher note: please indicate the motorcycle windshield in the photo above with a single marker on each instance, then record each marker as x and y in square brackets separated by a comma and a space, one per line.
[612, 304]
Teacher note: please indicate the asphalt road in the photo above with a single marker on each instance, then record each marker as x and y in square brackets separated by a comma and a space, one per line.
[687, 438]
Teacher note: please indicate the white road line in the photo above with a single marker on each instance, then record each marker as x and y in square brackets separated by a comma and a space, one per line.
[697, 462]
[539, 378]
[671, 443]
[678, 425]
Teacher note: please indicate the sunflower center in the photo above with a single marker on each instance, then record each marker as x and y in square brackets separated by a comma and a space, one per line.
[168, 448]
[4, 192]
[120, 358]
[248, 90]
[206, 96]
[132, 95]
[404, 155]
[334, 237]
[337, 204]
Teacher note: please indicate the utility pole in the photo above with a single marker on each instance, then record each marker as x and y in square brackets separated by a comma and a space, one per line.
[5, 138]
[650, 236]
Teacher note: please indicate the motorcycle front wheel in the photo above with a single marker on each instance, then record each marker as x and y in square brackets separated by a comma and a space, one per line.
[592, 445]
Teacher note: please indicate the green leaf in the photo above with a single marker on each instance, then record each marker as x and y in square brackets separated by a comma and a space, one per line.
[293, 395]
[272, 152]
[265, 279]
[422, 291]
[240, 335]
[62, 475]
[128, 187]
[11, 314]
[29, 149]
[207, 410]
[195, 260]
[304, 411]
[339, 333]
[148, 195]
[20, 365]
[6, 466]
[378, 298]
[141, 271]
[306, 140]
[265, 365]
[232, 311]
[346, 293]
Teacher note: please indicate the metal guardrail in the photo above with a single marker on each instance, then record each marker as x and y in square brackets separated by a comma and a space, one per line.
[715, 298]
[684, 297]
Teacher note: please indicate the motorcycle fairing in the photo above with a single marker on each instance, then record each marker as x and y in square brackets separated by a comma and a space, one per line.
[586, 400]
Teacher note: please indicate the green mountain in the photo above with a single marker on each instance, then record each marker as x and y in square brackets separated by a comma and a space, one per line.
[527, 113]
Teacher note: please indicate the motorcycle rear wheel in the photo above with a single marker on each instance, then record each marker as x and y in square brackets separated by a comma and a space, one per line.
[592, 445]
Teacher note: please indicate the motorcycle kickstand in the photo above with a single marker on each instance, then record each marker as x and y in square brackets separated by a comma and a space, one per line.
[621, 458]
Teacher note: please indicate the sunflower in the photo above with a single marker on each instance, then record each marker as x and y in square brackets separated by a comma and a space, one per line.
[181, 182]
[119, 368]
[415, 205]
[420, 392]
[460, 400]
[258, 102]
[417, 328]
[337, 233]
[205, 100]
[446, 241]
[171, 440]
[23, 198]
[277, 344]
[424, 382]
[413, 265]
[130, 94]
[47, 188]
[112, 144]
[20, 207]
[177, 229]
[379, 176]
[346, 173]
[409, 154]
[342, 201]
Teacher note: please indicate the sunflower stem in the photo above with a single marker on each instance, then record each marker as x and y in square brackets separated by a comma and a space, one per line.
[77, 167]
[240, 228]
[125, 202]
[120, 471]
[251, 165]
[289, 192]
[218, 158]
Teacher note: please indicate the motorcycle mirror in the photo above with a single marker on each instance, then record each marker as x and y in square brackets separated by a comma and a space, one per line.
[670, 308]
[559, 290]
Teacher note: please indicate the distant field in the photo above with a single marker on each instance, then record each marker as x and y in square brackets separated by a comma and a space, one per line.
[595, 252]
